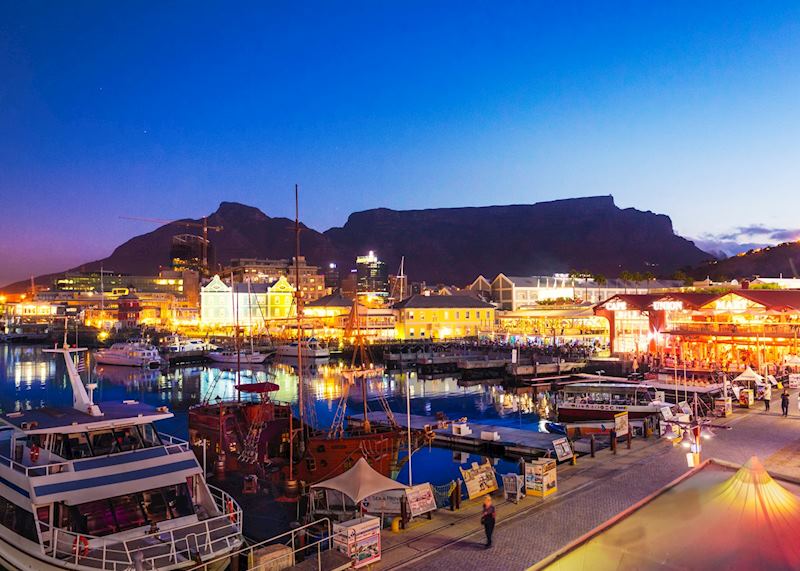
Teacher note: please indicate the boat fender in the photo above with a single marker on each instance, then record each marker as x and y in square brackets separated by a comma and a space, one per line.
[230, 510]
[80, 546]
[321, 448]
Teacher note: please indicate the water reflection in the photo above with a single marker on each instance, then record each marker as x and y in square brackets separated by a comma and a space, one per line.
[30, 378]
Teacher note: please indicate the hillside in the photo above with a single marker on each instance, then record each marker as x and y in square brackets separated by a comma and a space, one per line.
[449, 245]
[783, 259]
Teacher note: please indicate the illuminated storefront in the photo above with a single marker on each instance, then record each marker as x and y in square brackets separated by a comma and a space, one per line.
[729, 330]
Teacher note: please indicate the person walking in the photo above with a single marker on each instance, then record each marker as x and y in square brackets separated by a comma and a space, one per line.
[767, 397]
[785, 403]
[488, 519]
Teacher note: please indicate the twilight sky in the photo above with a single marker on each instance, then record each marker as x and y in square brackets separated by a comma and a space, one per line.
[164, 109]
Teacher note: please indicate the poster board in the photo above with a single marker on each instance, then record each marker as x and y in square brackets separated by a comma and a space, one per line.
[540, 477]
[420, 499]
[621, 426]
[359, 539]
[794, 381]
[563, 449]
[388, 502]
[479, 479]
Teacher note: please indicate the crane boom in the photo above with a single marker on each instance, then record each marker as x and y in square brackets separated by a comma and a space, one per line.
[204, 225]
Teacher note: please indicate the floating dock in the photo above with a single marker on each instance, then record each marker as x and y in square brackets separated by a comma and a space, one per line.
[514, 442]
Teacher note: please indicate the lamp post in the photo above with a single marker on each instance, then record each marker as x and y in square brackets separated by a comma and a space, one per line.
[694, 432]
[408, 424]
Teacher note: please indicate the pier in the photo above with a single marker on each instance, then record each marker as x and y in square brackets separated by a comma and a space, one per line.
[490, 439]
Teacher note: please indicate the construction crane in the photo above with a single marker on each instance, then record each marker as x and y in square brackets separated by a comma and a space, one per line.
[204, 225]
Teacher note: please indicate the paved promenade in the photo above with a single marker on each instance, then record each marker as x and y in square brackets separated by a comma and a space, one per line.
[589, 493]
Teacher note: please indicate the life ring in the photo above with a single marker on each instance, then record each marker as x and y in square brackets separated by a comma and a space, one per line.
[34, 453]
[80, 546]
[230, 511]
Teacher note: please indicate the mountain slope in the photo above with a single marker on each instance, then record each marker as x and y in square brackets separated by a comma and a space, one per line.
[450, 245]
[772, 261]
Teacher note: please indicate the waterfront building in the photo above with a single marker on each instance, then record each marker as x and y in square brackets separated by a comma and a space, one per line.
[267, 271]
[189, 251]
[372, 278]
[181, 284]
[332, 276]
[553, 324]
[331, 317]
[249, 305]
[443, 317]
[730, 329]
[512, 293]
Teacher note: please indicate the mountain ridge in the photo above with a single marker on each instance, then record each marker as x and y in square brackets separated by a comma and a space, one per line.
[441, 245]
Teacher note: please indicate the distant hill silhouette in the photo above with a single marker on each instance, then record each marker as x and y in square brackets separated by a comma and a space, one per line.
[442, 245]
[770, 261]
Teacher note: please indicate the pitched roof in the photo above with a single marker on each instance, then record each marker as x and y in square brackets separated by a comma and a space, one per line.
[779, 300]
[442, 301]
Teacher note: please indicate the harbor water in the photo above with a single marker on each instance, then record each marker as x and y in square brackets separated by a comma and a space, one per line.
[30, 378]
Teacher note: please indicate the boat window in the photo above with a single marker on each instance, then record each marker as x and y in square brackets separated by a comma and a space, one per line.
[149, 436]
[17, 519]
[102, 442]
[77, 446]
[128, 438]
[128, 511]
[94, 518]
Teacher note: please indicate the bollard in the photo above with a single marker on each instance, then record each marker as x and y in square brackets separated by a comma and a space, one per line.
[591, 445]
[630, 437]
[614, 441]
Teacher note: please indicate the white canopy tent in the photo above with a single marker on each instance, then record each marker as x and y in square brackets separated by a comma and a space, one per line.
[749, 376]
[360, 482]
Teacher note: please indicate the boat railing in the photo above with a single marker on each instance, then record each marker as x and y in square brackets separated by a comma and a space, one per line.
[210, 537]
[171, 444]
[291, 539]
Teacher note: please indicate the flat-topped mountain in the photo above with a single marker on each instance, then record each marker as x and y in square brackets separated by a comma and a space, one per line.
[447, 245]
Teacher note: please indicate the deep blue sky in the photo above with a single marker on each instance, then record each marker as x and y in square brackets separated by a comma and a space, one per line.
[165, 109]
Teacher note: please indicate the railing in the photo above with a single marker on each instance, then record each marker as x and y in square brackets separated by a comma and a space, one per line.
[745, 330]
[189, 542]
[319, 545]
[171, 444]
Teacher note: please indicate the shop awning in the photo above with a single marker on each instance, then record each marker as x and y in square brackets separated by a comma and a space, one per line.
[360, 481]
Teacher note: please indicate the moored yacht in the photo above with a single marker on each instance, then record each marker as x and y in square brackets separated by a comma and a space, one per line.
[310, 349]
[233, 357]
[96, 486]
[130, 354]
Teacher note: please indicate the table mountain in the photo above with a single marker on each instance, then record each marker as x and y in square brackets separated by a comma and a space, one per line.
[443, 245]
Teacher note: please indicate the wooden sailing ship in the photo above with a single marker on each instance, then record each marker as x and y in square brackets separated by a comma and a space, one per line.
[261, 436]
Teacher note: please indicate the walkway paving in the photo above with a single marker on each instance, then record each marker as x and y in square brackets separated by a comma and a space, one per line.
[589, 494]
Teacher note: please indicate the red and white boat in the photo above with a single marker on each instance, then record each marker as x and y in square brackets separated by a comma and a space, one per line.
[601, 401]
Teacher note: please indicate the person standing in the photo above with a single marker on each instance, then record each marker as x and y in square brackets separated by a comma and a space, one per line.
[785, 403]
[488, 518]
[767, 397]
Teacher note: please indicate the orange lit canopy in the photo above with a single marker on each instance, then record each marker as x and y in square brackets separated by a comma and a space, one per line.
[711, 520]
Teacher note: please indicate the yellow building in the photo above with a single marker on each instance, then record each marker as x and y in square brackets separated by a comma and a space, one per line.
[280, 299]
[443, 317]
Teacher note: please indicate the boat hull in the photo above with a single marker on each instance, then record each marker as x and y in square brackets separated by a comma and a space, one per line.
[123, 361]
[574, 414]
[248, 359]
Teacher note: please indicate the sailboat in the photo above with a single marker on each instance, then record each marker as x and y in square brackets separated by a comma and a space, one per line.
[238, 355]
[261, 436]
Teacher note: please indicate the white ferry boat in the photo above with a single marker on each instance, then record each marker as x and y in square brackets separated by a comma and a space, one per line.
[97, 487]
[601, 401]
[309, 349]
[130, 354]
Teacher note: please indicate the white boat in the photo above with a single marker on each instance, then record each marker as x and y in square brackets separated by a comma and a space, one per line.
[309, 349]
[187, 345]
[97, 487]
[601, 401]
[130, 354]
[243, 357]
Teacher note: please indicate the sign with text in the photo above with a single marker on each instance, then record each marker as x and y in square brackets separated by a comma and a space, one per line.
[420, 499]
[479, 479]
[383, 503]
[563, 449]
[621, 423]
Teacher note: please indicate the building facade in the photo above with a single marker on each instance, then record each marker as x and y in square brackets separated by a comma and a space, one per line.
[441, 317]
[265, 271]
[252, 306]
[372, 278]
